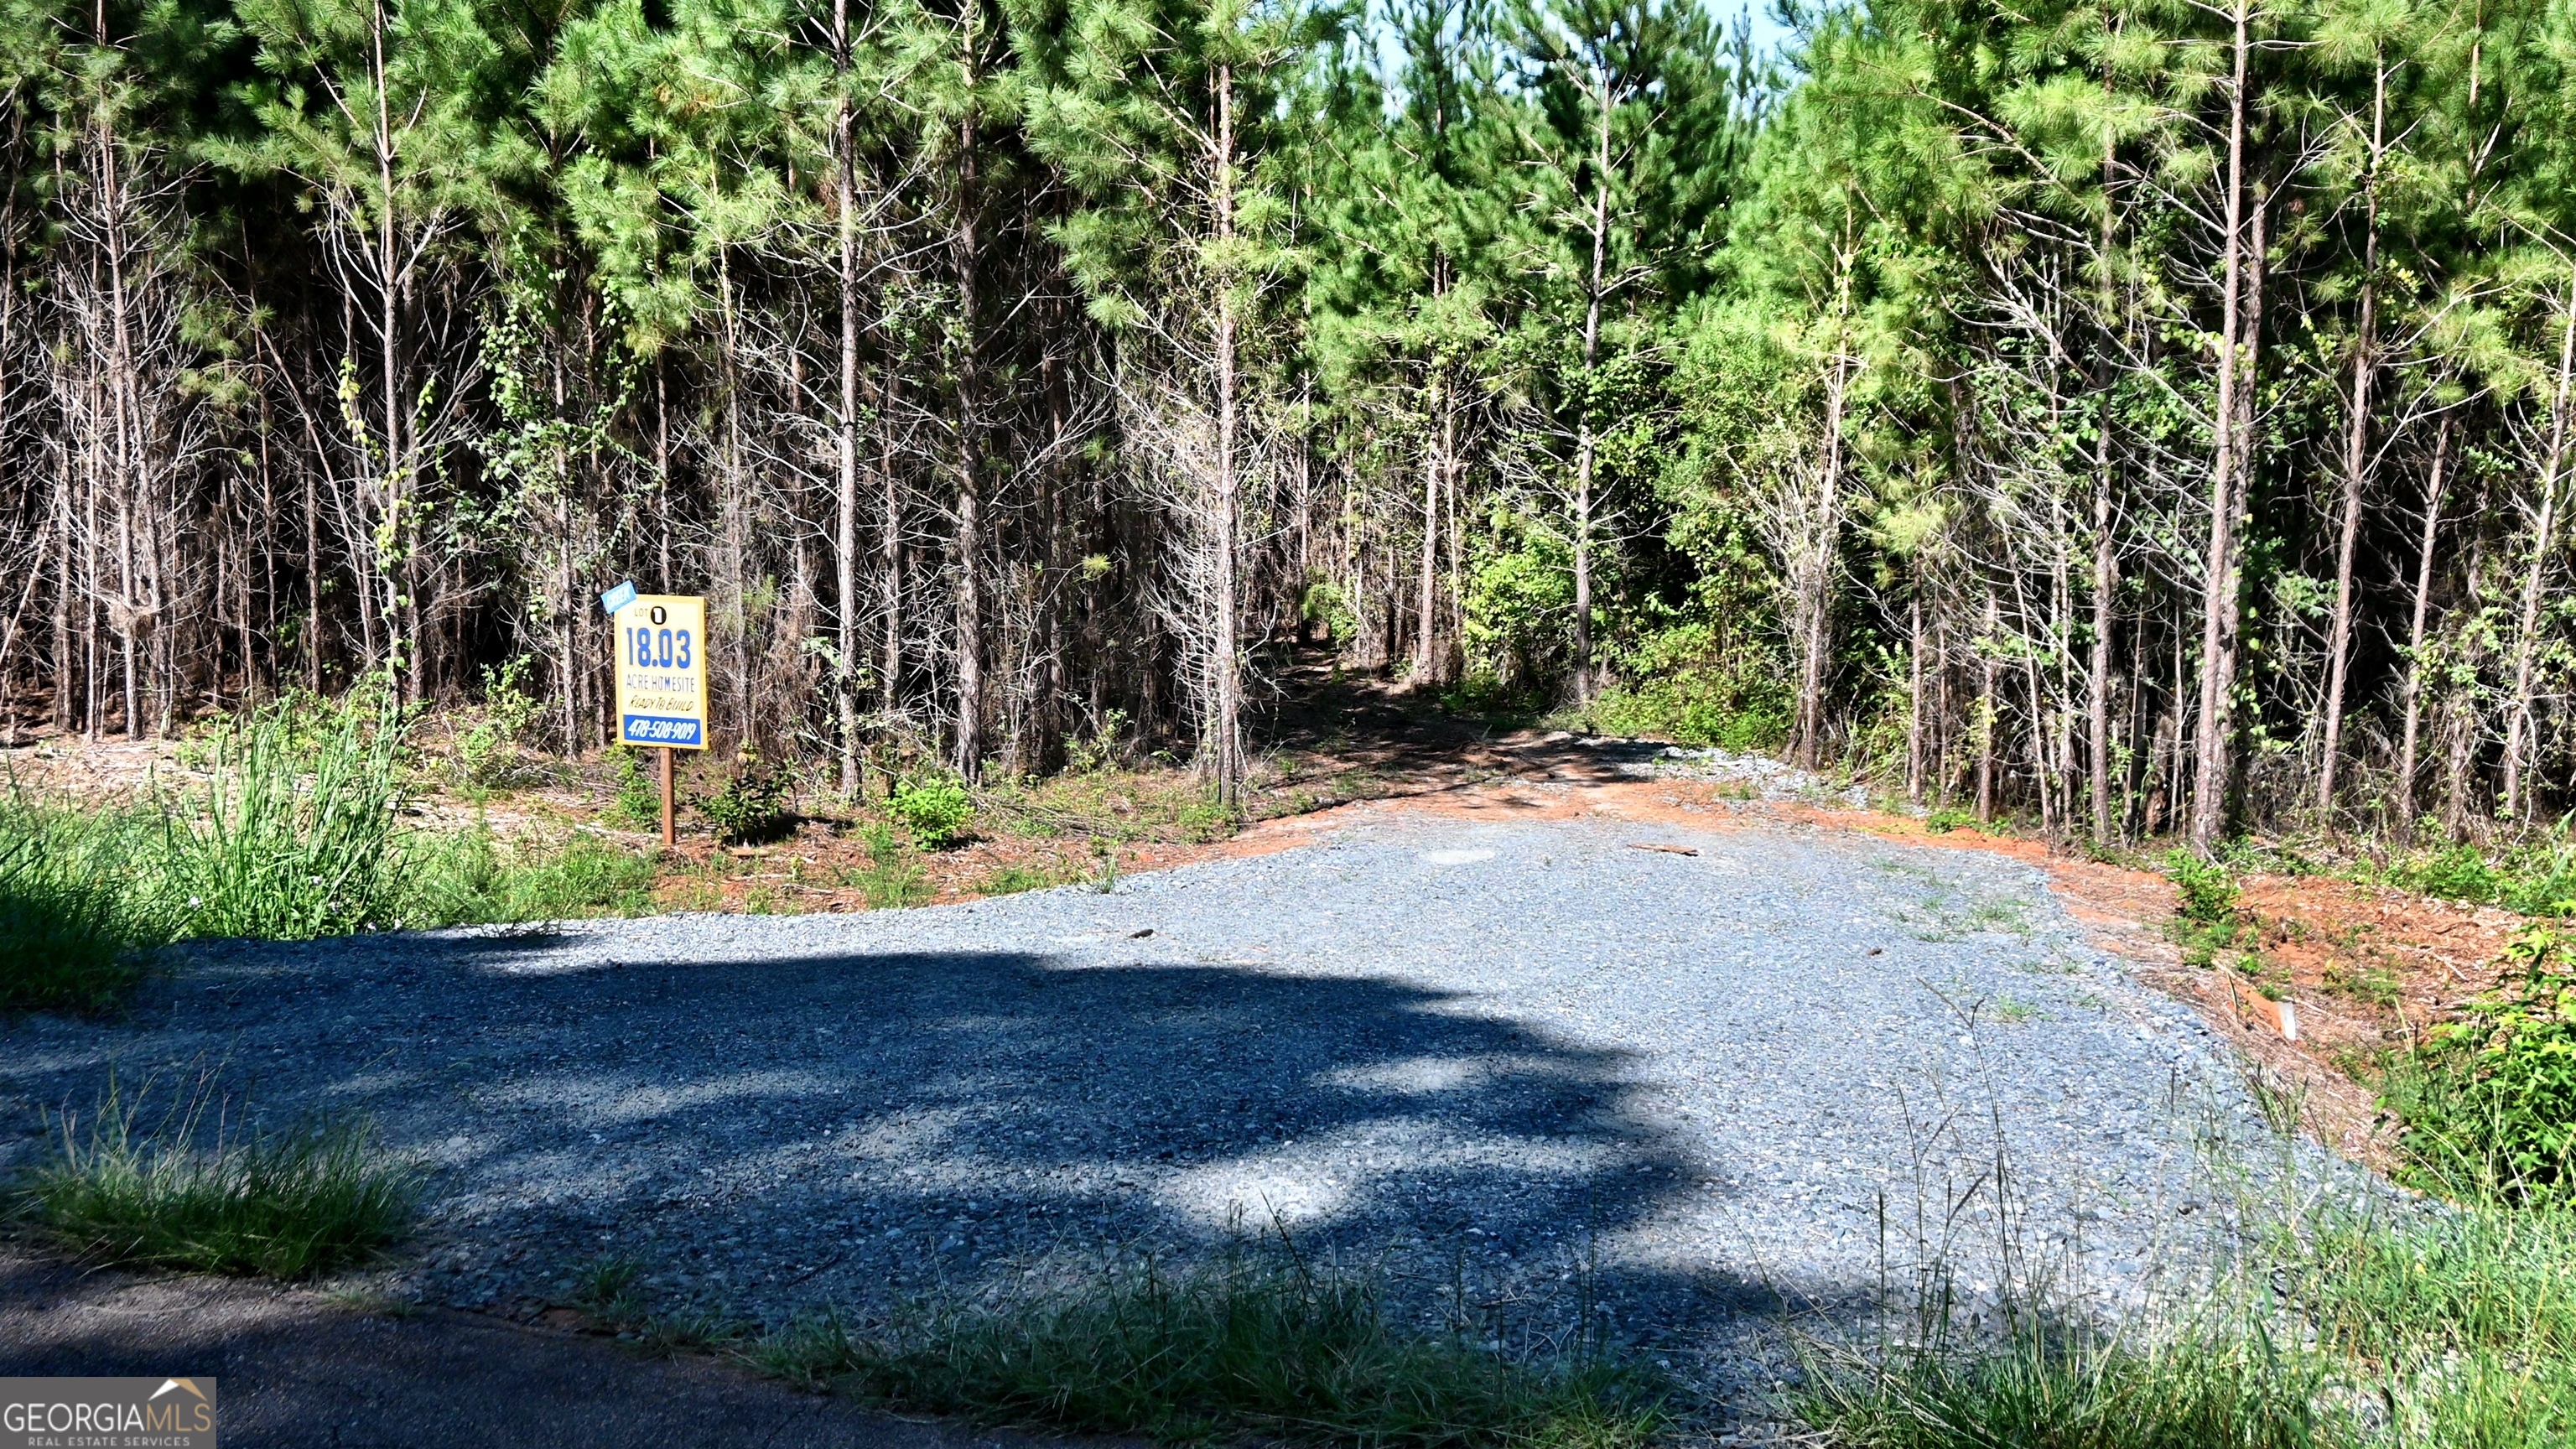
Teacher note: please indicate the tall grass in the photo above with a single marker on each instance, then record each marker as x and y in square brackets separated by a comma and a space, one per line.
[70, 929]
[296, 830]
[1249, 1346]
[2216, 1379]
[2422, 1326]
[210, 1197]
[467, 878]
[294, 833]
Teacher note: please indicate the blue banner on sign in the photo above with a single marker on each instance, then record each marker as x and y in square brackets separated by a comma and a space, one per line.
[658, 729]
[617, 598]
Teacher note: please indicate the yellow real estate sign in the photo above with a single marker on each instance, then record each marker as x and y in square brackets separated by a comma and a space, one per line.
[662, 672]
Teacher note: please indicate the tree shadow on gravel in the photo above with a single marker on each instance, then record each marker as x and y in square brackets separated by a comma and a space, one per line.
[854, 1127]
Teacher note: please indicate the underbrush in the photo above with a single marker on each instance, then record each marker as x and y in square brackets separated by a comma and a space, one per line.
[470, 878]
[71, 935]
[892, 878]
[2207, 918]
[1687, 683]
[294, 829]
[1483, 696]
[2533, 878]
[2392, 1328]
[207, 1196]
[2489, 1100]
[1692, 711]
[1045, 875]
[1251, 1346]
[1113, 805]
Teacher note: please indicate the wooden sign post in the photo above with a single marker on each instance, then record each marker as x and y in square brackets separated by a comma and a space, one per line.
[662, 679]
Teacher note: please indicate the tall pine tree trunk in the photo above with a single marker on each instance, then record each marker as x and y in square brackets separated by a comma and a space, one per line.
[401, 621]
[2215, 745]
[2518, 724]
[1585, 445]
[1426, 626]
[890, 646]
[2097, 704]
[2413, 688]
[970, 430]
[1226, 522]
[845, 522]
[2356, 447]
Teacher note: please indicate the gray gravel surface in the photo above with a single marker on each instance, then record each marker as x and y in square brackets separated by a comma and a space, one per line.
[1521, 1066]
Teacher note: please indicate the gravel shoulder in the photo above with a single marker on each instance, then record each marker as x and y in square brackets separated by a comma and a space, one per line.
[1529, 1059]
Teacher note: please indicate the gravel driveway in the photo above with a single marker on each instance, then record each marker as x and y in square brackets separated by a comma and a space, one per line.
[1510, 1061]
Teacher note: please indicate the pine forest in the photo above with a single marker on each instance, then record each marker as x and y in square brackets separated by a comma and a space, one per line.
[2143, 418]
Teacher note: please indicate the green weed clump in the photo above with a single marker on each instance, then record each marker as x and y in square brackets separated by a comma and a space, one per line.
[935, 809]
[2537, 879]
[639, 788]
[294, 834]
[72, 935]
[1244, 1348]
[190, 1195]
[467, 878]
[892, 878]
[2209, 890]
[2207, 919]
[750, 806]
[483, 752]
[2489, 1101]
[2052, 1384]
[1008, 880]
[2348, 1331]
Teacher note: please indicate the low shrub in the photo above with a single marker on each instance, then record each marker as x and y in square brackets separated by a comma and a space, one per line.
[934, 808]
[2489, 1101]
[751, 805]
[2209, 891]
[1694, 711]
[286, 1204]
[1484, 695]
[1206, 819]
[483, 752]
[2536, 879]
